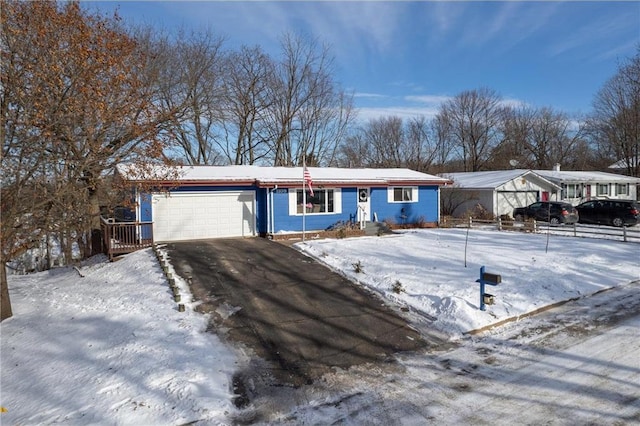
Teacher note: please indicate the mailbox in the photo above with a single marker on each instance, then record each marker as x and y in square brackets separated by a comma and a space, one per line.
[487, 278]
[491, 278]
[488, 299]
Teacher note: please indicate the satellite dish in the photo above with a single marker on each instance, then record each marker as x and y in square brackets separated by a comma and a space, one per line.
[513, 163]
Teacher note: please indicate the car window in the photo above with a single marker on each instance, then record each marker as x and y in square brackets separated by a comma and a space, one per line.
[588, 205]
[535, 206]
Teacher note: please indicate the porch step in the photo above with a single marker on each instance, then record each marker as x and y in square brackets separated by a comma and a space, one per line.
[377, 228]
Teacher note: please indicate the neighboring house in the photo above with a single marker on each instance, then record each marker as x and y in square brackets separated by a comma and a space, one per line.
[628, 166]
[580, 186]
[233, 201]
[498, 192]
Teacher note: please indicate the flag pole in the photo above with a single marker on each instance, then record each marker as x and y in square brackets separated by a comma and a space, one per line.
[304, 194]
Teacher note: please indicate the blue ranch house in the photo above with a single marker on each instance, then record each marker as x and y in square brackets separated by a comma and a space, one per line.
[199, 202]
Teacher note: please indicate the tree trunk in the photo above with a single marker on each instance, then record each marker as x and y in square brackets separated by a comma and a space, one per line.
[96, 232]
[5, 302]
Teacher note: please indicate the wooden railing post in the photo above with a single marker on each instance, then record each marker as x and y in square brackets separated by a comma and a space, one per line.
[126, 237]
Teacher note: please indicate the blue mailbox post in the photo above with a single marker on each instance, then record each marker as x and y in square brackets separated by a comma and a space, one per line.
[487, 278]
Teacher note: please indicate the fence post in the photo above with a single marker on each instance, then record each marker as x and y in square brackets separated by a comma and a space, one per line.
[624, 233]
[575, 230]
[470, 221]
[499, 223]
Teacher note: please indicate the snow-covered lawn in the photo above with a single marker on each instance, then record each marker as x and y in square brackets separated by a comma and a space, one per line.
[111, 347]
[429, 268]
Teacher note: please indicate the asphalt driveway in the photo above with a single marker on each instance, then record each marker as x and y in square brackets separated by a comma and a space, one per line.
[295, 313]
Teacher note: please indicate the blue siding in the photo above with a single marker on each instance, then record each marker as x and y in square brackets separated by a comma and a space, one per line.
[285, 222]
[425, 209]
[262, 214]
[145, 207]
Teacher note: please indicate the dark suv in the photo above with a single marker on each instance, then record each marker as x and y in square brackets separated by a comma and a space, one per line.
[609, 212]
[555, 212]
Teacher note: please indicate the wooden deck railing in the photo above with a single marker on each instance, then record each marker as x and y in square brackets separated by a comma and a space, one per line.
[125, 237]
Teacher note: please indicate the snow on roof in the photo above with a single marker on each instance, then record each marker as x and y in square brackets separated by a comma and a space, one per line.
[275, 175]
[624, 163]
[491, 179]
[585, 176]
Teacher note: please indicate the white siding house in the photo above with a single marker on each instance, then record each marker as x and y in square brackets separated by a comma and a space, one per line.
[580, 186]
[500, 191]
[497, 192]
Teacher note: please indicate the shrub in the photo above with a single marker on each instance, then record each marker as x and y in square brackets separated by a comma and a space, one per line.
[397, 287]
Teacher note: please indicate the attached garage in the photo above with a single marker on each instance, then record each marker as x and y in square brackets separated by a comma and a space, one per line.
[191, 216]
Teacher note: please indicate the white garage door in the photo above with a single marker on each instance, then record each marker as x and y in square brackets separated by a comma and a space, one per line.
[192, 216]
[509, 200]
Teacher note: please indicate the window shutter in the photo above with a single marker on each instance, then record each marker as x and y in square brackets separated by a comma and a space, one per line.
[293, 201]
[337, 200]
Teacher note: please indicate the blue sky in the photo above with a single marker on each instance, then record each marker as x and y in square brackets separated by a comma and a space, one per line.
[404, 58]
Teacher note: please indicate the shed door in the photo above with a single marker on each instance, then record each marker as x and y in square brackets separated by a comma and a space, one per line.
[192, 216]
[509, 200]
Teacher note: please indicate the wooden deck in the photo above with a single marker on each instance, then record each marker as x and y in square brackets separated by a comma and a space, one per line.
[125, 237]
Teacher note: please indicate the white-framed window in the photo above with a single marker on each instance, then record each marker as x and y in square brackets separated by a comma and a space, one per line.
[572, 190]
[622, 189]
[602, 189]
[402, 194]
[323, 201]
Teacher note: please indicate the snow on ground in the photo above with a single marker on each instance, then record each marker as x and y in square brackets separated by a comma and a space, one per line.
[111, 347]
[428, 266]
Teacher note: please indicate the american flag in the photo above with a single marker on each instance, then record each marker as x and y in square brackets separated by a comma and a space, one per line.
[307, 180]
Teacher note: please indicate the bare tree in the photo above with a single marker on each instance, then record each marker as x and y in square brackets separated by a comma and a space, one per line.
[423, 146]
[192, 84]
[308, 114]
[440, 129]
[615, 122]
[385, 138]
[391, 142]
[539, 138]
[353, 152]
[473, 122]
[246, 80]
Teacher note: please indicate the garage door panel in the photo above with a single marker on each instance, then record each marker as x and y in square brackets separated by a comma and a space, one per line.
[196, 216]
[507, 201]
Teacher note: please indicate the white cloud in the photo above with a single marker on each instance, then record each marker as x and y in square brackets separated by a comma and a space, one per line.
[369, 95]
[428, 99]
[405, 112]
[594, 32]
